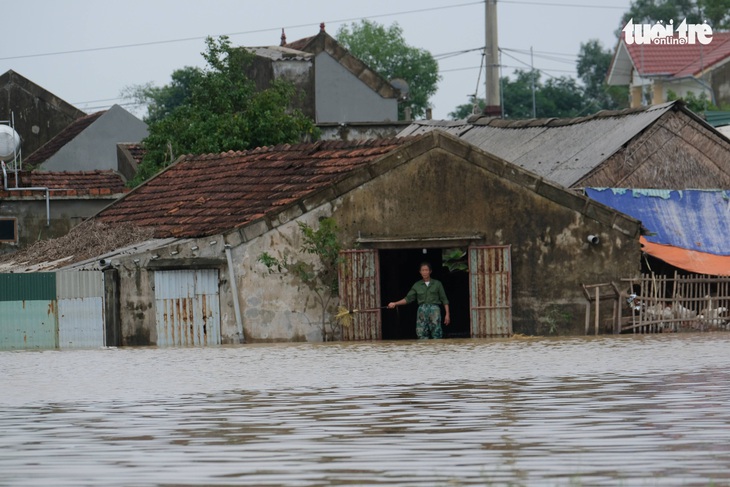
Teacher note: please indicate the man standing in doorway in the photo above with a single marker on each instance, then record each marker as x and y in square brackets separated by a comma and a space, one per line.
[430, 294]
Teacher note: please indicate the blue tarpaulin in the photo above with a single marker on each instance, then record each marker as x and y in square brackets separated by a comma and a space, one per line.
[697, 220]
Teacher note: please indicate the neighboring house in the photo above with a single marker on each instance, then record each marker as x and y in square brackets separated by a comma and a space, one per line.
[89, 143]
[652, 70]
[38, 114]
[664, 146]
[334, 87]
[42, 205]
[396, 202]
[687, 229]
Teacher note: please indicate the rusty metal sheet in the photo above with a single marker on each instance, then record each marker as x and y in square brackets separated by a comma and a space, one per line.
[28, 311]
[359, 279]
[188, 307]
[27, 325]
[80, 309]
[490, 290]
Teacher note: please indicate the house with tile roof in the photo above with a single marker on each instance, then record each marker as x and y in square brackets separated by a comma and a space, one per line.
[37, 205]
[652, 70]
[334, 87]
[397, 202]
[664, 146]
[89, 143]
[38, 114]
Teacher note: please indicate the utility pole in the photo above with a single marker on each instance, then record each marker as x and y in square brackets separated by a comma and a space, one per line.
[491, 55]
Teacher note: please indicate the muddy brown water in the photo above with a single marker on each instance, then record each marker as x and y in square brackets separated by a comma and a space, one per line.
[629, 410]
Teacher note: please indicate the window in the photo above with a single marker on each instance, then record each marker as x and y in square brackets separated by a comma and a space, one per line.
[8, 230]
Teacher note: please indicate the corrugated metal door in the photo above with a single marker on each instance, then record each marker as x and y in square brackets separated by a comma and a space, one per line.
[188, 308]
[80, 309]
[360, 289]
[490, 289]
[28, 311]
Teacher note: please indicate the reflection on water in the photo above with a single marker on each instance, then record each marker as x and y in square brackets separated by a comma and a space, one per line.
[579, 411]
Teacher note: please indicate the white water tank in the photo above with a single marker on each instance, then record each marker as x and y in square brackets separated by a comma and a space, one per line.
[9, 143]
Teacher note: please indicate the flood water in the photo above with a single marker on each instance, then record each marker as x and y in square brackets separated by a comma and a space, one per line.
[629, 410]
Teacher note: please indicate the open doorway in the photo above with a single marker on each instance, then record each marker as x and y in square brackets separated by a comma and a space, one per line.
[399, 269]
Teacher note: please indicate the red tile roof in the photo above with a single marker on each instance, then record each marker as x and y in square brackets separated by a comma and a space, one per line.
[75, 183]
[136, 151]
[208, 194]
[44, 152]
[679, 60]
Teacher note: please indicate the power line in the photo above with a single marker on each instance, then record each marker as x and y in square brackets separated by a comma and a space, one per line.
[258, 31]
[571, 5]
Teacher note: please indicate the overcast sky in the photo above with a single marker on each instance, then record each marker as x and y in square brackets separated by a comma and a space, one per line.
[87, 51]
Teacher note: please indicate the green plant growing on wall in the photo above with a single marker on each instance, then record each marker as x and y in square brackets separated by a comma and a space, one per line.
[319, 276]
[556, 317]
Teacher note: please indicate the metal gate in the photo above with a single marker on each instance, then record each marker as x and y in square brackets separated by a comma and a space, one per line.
[187, 307]
[360, 289]
[80, 309]
[28, 311]
[490, 290]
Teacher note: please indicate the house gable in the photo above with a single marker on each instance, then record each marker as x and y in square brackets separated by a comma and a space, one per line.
[602, 149]
[679, 150]
[90, 143]
[39, 114]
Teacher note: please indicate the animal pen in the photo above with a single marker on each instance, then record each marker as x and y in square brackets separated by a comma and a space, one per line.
[659, 303]
[654, 303]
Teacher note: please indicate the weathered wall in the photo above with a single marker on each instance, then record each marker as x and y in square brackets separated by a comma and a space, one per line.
[39, 115]
[278, 306]
[341, 97]
[362, 130]
[439, 194]
[31, 216]
[96, 147]
[274, 307]
[299, 72]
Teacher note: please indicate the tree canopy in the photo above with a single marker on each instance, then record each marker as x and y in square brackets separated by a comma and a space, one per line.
[216, 109]
[716, 12]
[556, 97]
[385, 51]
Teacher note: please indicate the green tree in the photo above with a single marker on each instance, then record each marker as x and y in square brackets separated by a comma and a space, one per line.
[593, 64]
[557, 97]
[697, 103]
[385, 51]
[716, 12]
[217, 109]
[319, 276]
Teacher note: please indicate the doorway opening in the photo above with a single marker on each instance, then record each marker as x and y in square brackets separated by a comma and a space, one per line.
[399, 269]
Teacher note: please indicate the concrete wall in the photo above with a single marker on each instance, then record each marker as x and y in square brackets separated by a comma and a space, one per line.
[275, 307]
[96, 147]
[300, 72]
[31, 215]
[39, 115]
[342, 97]
[440, 194]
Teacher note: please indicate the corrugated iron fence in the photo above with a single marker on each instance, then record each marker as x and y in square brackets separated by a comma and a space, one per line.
[48, 310]
[658, 303]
